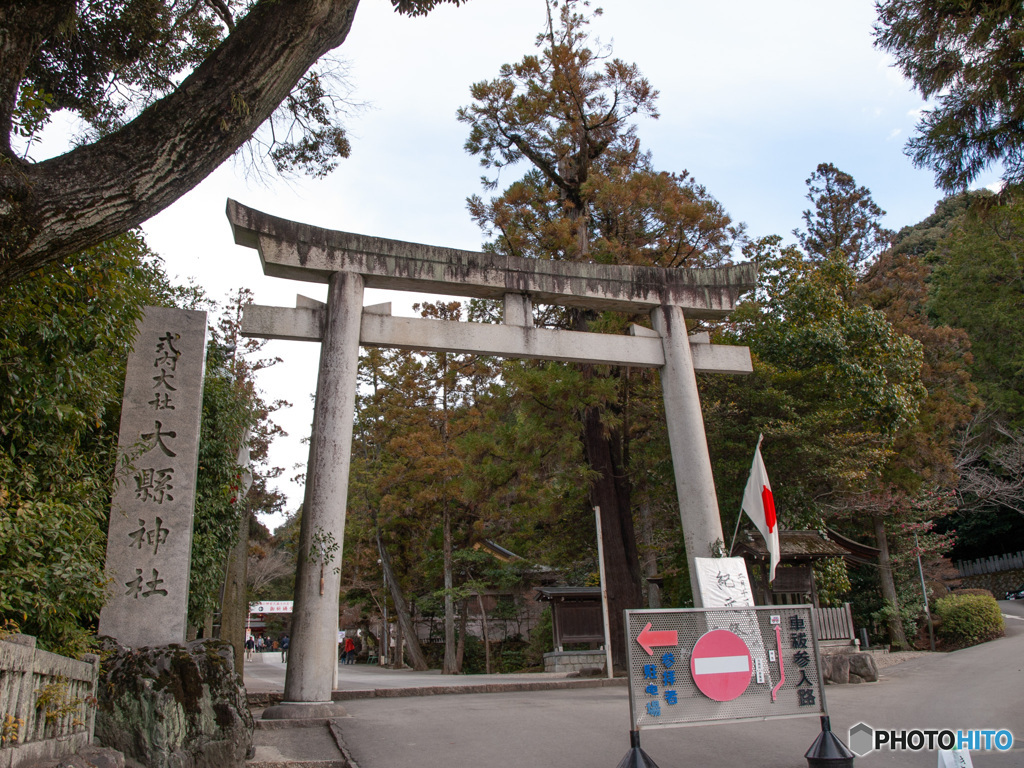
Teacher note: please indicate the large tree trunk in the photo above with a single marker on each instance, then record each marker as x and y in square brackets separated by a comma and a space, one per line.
[610, 491]
[896, 634]
[234, 604]
[61, 206]
[419, 661]
[451, 665]
[650, 556]
[486, 633]
[460, 653]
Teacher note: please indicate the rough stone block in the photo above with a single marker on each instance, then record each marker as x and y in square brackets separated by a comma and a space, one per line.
[86, 757]
[863, 665]
[839, 669]
[174, 706]
[843, 668]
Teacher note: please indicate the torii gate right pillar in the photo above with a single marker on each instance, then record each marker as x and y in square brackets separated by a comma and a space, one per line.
[695, 484]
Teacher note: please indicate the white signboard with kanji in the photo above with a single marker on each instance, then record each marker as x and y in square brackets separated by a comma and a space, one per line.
[695, 666]
[724, 582]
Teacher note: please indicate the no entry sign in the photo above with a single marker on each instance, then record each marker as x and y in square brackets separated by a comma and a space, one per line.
[715, 665]
[721, 665]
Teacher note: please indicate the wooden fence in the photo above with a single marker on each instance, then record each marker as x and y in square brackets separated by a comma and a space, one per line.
[835, 625]
[47, 702]
[993, 564]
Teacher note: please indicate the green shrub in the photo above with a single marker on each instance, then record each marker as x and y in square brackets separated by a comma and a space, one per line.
[969, 619]
[983, 592]
[542, 640]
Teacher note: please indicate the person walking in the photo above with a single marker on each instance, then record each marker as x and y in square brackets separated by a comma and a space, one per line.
[250, 647]
[284, 648]
[350, 650]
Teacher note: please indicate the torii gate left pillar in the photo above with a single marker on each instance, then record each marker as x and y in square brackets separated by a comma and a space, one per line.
[315, 616]
[347, 262]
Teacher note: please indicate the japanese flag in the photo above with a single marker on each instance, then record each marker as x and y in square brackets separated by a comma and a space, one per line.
[759, 505]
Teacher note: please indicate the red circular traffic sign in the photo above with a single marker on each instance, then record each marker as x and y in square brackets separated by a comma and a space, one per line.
[721, 665]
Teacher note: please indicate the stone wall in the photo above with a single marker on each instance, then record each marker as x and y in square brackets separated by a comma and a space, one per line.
[574, 661]
[996, 583]
[47, 702]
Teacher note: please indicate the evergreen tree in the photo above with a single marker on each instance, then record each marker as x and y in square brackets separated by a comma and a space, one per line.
[845, 219]
[589, 193]
[966, 57]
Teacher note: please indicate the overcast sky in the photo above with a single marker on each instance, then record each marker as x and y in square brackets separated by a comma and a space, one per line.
[754, 95]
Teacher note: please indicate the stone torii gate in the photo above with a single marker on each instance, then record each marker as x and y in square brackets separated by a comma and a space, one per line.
[349, 262]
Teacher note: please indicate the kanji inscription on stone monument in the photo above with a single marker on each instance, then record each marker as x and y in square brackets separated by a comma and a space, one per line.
[149, 541]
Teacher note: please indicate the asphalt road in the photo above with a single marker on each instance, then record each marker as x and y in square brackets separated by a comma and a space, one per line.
[980, 687]
[1012, 608]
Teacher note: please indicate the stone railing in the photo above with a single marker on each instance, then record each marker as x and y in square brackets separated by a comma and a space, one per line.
[47, 702]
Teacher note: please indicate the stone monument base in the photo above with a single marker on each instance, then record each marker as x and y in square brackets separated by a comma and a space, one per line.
[174, 706]
[574, 661]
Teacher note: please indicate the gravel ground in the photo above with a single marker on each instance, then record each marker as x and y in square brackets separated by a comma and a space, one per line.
[891, 659]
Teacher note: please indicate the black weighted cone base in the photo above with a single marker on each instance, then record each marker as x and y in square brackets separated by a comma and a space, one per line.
[636, 757]
[828, 751]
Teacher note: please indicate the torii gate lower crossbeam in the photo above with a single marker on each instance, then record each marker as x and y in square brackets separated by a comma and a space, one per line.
[348, 262]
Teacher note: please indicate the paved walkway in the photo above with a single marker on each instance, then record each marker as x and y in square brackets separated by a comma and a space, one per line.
[266, 675]
[319, 743]
[264, 679]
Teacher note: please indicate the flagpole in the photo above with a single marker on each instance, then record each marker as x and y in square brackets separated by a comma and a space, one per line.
[737, 530]
[739, 517]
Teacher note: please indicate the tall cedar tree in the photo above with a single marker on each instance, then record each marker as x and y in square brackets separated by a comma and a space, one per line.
[454, 380]
[384, 526]
[590, 194]
[169, 90]
[845, 219]
[966, 56]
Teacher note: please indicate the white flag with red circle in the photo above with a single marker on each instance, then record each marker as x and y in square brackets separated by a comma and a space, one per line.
[759, 504]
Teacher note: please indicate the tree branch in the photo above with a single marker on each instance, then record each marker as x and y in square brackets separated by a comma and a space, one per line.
[60, 206]
[24, 25]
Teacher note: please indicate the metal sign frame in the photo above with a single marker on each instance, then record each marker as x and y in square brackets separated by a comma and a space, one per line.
[674, 632]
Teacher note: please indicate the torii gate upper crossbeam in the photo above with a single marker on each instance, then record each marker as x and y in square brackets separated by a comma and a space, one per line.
[311, 254]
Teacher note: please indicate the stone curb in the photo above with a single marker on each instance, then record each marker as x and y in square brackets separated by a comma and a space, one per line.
[282, 725]
[267, 699]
